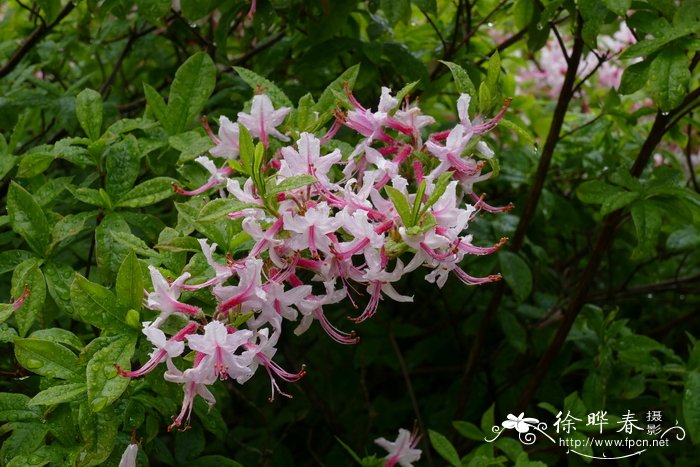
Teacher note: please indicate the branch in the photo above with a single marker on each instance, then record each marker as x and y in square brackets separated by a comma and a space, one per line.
[565, 96]
[689, 160]
[33, 38]
[603, 241]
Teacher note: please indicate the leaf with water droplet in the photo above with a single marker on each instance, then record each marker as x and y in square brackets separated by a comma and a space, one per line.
[47, 359]
[104, 384]
[58, 394]
[14, 408]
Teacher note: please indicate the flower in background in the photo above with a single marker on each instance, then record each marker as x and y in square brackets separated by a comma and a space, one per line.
[402, 451]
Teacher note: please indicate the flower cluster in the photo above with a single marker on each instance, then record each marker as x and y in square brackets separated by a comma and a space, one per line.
[547, 74]
[324, 225]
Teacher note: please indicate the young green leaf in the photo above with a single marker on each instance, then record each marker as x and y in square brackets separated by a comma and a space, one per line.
[257, 82]
[400, 204]
[443, 447]
[668, 79]
[463, 82]
[156, 104]
[193, 84]
[96, 305]
[148, 193]
[88, 107]
[291, 183]
[27, 218]
[58, 394]
[516, 273]
[29, 283]
[130, 284]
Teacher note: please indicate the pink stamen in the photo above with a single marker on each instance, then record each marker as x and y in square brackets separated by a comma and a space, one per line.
[207, 128]
[335, 334]
[470, 280]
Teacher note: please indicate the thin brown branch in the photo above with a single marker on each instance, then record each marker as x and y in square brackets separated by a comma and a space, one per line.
[409, 388]
[565, 96]
[602, 243]
[33, 39]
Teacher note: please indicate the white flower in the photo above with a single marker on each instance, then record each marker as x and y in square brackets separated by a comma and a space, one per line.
[402, 451]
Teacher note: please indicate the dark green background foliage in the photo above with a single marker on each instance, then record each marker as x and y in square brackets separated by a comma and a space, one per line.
[99, 114]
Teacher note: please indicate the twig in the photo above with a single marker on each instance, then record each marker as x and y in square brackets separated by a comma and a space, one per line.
[565, 96]
[254, 51]
[561, 44]
[688, 158]
[603, 241]
[33, 38]
[435, 28]
[409, 388]
[663, 286]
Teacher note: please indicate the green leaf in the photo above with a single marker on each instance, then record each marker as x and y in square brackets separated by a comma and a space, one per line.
[462, 81]
[31, 165]
[396, 10]
[104, 383]
[156, 104]
[88, 107]
[494, 71]
[30, 283]
[193, 84]
[406, 63]
[647, 223]
[596, 191]
[326, 103]
[443, 447]
[619, 7]
[264, 85]
[512, 329]
[9, 259]
[218, 209]
[59, 277]
[88, 196]
[108, 251]
[439, 189]
[288, 184]
[403, 208]
[47, 359]
[96, 305]
[647, 47]
[122, 164]
[133, 243]
[71, 225]
[27, 218]
[130, 284]
[522, 12]
[99, 433]
[213, 461]
[59, 336]
[516, 273]
[691, 405]
[429, 6]
[668, 78]
[618, 201]
[58, 394]
[148, 193]
[468, 430]
[15, 408]
[684, 239]
[190, 144]
[634, 77]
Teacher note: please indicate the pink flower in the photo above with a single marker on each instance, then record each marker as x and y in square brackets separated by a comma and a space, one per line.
[163, 348]
[310, 229]
[218, 176]
[263, 119]
[308, 160]
[193, 385]
[248, 293]
[164, 297]
[227, 146]
[129, 457]
[264, 350]
[402, 451]
[219, 350]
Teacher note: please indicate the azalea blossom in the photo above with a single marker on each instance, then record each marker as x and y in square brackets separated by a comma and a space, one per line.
[128, 459]
[263, 119]
[402, 451]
